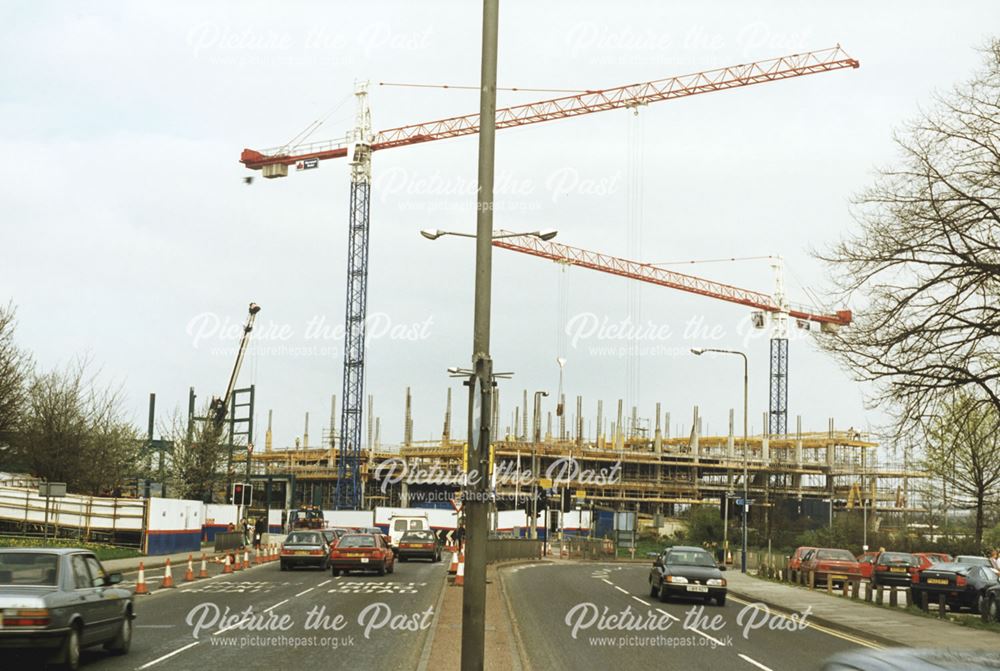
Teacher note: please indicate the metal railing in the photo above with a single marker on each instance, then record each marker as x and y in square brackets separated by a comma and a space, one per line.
[503, 549]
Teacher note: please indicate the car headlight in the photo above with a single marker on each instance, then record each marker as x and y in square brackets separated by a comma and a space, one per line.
[676, 578]
[717, 582]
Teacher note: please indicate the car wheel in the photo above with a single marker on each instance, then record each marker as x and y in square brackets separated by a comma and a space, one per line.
[663, 593]
[993, 609]
[392, 567]
[720, 600]
[653, 589]
[404, 559]
[70, 653]
[284, 566]
[334, 572]
[121, 643]
[381, 569]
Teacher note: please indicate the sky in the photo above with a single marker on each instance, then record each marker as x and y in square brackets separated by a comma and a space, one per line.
[129, 236]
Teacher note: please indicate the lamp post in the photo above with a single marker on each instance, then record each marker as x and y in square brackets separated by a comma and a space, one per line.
[536, 437]
[746, 475]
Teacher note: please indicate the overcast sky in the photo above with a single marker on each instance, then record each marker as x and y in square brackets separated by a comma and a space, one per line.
[128, 235]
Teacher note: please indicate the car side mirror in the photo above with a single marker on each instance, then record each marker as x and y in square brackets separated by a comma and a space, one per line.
[657, 562]
[113, 579]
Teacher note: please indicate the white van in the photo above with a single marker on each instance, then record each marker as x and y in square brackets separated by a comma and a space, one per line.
[400, 524]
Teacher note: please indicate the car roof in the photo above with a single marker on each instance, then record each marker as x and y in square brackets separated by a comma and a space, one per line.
[48, 551]
[686, 548]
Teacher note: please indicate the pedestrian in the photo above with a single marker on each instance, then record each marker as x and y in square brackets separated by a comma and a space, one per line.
[258, 531]
[460, 537]
[246, 531]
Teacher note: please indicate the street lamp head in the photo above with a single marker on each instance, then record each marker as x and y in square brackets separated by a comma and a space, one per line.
[431, 234]
[561, 361]
[547, 234]
[697, 350]
[454, 370]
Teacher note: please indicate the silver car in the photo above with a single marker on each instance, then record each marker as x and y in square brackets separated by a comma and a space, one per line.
[59, 600]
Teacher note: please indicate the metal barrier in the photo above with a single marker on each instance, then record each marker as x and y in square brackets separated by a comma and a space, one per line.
[502, 549]
[229, 540]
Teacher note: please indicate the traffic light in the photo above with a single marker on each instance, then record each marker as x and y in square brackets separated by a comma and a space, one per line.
[242, 494]
[565, 500]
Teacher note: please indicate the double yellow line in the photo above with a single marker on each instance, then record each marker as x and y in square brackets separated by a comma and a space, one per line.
[818, 627]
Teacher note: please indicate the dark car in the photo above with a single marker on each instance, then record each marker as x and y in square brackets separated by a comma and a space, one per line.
[961, 585]
[305, 548]
[58, 601]
[419, 545]
[684, 571]
[893, 569]
[989, 603]
[910, 659]
[975, 560]
[362, 552]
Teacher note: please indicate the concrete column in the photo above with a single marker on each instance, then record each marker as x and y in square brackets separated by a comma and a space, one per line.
[548, 427]
[579, 420]
[666, 425]
[658, 435]
[600, 424]
[829, 448]
[562, 418]
[618, 433]
[798, 440]
[371, 422]
[634, 429]
[524, 416]
[765, 442]
[695, 427]
[731, 440]
[305, 434]
[446, 432]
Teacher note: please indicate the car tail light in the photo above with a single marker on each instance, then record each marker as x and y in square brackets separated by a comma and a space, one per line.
[334, 553]
[960, 581]
[316, 552]
[915, 577]
[26, 617]
[285, 551]
[377, 554]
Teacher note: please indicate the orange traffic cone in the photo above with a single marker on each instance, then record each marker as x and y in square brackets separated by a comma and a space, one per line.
[168, 579]
[460, 576]
[246, 558]
[189, 574]
[203, 573]
[140, 583]
[453, 569]
[227, 567]
[256, 556]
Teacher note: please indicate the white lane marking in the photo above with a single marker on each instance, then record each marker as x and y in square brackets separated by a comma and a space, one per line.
[322, 583]
[275, 605]
[153, 626]
[642, 601]
[754, 662]
[607, 581]
[623, 591]
[701, 633]
[167, 656]
[305, 591]
[672, 617]
[817, 627]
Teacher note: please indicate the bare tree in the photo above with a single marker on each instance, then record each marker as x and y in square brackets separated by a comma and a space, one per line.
[15, 367]
[925, 264]
[197, 461]
[963, 446]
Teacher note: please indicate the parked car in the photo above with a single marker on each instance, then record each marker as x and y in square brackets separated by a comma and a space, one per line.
[910, 659]
[893, 569]
[305, 548]
[378, 530]
[989, 603]
[865, 562]
[795, 561]
[419, 545]
[58, 601]
[961, 584]
[976, 560]
[362, 552]
[928, 559]
[840, 565]
[684, 571]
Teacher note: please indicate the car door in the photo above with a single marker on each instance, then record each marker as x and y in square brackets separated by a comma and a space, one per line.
[86, 601]
[108, 606]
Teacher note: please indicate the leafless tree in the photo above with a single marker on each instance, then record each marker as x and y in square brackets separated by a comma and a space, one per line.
[197, 459]
[15, 367]
[923, 270]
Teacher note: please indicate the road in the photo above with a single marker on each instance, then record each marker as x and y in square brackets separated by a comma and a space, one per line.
[551, 598]
[396, 630]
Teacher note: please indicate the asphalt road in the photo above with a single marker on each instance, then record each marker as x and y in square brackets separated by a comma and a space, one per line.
[166, 635]
[551, 599]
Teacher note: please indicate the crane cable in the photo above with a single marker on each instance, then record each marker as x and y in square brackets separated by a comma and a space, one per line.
[311, 128]
[517, 89]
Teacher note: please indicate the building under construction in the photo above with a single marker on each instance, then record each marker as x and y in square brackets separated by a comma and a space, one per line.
[636, 468]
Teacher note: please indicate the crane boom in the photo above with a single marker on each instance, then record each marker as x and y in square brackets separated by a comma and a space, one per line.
[630, 95]
[605, 263]
[220, 406]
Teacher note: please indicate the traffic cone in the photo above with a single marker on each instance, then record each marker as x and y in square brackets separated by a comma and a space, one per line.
[453, 569]
[272, 552]
[460, 576]
[246, 558]
[227, 567]
[204, 567]
[140, 583]
[189, 574]
[237, 564]
[168, 579]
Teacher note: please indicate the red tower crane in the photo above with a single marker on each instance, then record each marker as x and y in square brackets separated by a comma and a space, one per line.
[775, 304]
[361, 142]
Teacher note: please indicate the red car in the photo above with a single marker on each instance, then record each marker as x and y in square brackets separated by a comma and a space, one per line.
[865, 562]
[839, 565]
[362, 552]
[795, 561]
[928, 559]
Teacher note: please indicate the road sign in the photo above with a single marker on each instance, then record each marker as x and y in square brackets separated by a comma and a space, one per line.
[581, 493]
[742, 502]
[53, 489]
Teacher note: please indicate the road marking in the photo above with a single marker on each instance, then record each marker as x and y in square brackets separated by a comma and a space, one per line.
[672, 617]
[701, 633]
[322, 583]
[642, 601]
[275, 605]
[167, 656]
[754, 662]
[607, 581]
[153, 626]
[305, 591]
[818, 627]
[623, 591]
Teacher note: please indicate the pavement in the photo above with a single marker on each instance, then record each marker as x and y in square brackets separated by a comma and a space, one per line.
[886, 625]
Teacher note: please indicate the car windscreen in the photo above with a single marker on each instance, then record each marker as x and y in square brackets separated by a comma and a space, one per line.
[418, 536]
[28, 568]
[895, 558]
[356, 541]
[303, 539]
[689, 558]
[972, 561]
[835, 555]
